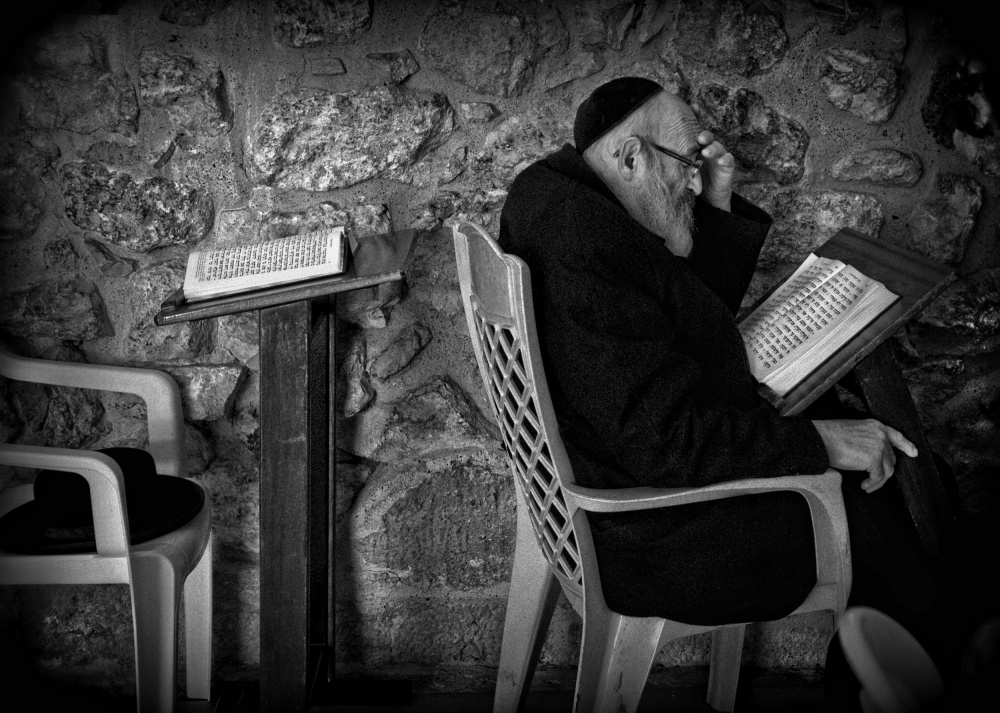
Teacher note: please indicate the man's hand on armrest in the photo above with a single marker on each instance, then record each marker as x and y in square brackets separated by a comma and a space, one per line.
[864, 445]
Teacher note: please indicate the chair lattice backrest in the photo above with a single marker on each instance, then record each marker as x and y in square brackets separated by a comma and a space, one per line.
[496, 293]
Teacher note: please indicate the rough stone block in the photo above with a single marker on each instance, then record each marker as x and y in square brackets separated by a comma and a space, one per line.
[69, 85]
[239, 335]
[24, 162]
[354, 389]
[407, 345]
[480, 205]
[580, 66]
[860, 83]
[138, 215]
[57, 416]
[359, 221]
[804, 220]
[208, 391]
[60, 256]
[396, 66]
[232, 481]
[191, 13]
[68, 308]
[490, 47]
[192, 92]
[302, 23]
[882, 166]
[316, 140]
[147, 342]
[721, 34]
[110, 263]
[433, 276]
[951, 103]
[605, 23]
[449, 520]
[765, 142]
[478, 112]
[654, 17]
[326, 66]
[22, 200]
[964, 319]
[434, 418]
[931, 384]
[521, 139]
[982, 152]
[941, 225]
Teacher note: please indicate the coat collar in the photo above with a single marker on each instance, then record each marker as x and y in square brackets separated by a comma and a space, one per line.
[570, 163]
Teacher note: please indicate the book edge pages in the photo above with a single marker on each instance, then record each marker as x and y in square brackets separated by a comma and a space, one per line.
[198, 292]
[862, 313]
[772, 303]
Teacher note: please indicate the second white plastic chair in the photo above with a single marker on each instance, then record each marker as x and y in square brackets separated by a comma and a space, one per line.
[158, 571]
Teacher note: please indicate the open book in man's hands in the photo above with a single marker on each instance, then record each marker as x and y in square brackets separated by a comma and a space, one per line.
[821, 307]
[230, 271]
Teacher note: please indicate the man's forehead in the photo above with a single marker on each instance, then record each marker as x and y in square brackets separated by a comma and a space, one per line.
[678, 123]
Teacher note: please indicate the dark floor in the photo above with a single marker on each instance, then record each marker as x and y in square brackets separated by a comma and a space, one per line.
[243, 698]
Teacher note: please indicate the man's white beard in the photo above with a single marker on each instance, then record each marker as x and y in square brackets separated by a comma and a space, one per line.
[666, 211]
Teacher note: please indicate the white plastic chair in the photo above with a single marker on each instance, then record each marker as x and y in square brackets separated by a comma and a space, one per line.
[896, 673]
[554, 542]
[157, 570]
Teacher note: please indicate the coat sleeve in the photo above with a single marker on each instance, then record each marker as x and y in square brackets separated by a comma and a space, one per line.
[726, 247]
[633, 396]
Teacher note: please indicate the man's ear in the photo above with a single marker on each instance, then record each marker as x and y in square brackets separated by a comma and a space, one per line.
[629, 156]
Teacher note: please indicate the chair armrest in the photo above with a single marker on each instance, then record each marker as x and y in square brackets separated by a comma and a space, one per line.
[821, 491]
[646, 498]
[107, 488]
[158, 389]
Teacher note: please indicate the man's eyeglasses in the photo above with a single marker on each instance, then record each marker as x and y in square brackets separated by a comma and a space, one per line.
[693, 163]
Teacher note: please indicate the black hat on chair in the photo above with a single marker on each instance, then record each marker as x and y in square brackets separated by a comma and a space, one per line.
[60, 519]
[608, 106]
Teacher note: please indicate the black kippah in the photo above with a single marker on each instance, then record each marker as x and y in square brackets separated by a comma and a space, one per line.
[608, 106]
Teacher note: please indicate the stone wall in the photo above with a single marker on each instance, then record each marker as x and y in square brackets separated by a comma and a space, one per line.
[134, 131]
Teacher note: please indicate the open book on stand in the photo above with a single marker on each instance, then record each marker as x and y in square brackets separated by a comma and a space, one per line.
[231, 271]
[808, 318]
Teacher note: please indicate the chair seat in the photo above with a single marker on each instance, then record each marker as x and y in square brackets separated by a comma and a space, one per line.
[58, 519]
[182, 548]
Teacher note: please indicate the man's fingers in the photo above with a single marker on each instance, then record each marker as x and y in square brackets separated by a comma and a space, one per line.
[706, 137]
[888, 463]
[898, 440]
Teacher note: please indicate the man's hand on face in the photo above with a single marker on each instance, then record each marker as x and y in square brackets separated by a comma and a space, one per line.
[717, 172]
[864, 445]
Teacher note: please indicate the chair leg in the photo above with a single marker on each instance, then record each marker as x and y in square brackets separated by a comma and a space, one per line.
[155, 600]
[615, 659]
[198, 628]
[724, 674]
[532, 599]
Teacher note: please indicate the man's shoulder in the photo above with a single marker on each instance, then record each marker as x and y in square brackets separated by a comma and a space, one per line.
[543, 173]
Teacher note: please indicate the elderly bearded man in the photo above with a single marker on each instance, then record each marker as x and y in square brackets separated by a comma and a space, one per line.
[640, 254]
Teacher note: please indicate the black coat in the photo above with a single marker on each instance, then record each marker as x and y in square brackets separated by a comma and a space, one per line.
[651, 386]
